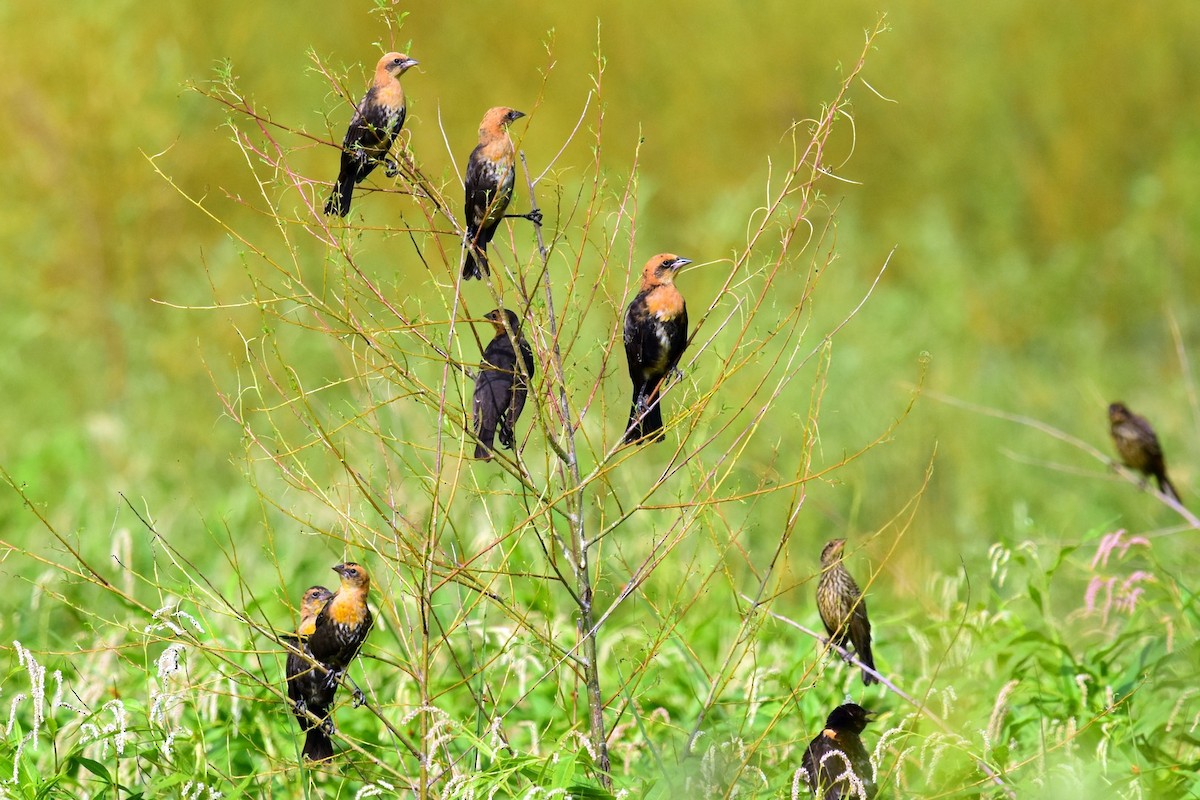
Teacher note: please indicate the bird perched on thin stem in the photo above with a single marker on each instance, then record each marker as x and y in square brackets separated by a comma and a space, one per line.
[842, 607]
[343, 623]
[836, 762]
[1138, 447]
[306, 682]
[655, 336]
[491, 173]
[502, 385]
[376, 122]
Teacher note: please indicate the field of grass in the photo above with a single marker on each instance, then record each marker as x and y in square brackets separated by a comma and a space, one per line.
[930, 248]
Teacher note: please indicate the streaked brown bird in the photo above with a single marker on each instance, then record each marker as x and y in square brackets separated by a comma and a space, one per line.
[1138, 447]
[343, 623]
[306, 682]
[842, 607]
[376, 122]
[491, 174]
[655, 337]
[836, 762]
[502, 385]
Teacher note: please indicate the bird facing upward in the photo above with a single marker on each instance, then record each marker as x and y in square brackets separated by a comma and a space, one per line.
[376, 122]
[843, 609]
[306, 683]
[655, 336]
[1138, 447]
[836, 762]
[501, 386]
[491, 173]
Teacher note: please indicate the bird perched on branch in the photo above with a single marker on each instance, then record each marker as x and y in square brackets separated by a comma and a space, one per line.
[1138, 447]
[502, 384]
[343, 623]
[376, 122]
[491, 173]
[836, 762]
[655, 336]
[842, 607]
[306, 682]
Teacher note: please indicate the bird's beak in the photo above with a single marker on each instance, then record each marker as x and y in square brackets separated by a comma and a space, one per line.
[679, 263]
[515, 115]
[412, 62]
[340, 569]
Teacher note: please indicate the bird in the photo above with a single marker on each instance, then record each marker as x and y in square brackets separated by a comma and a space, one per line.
[655, 336]
[836, 763]
[843, 609]
[306, 684]
[376, 122]
[501, 386]
[343, 623]
[1138, 447]
[491, 173]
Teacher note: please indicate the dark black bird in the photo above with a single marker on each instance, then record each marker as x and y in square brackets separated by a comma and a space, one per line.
[655, 336]
[842, 607]
[1138, 447]
[501, 386]
[374, 127]
[307, 686]
[837, 764]
[491, 173]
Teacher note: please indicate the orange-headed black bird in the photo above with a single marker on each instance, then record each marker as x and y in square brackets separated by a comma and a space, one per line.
[655, 335]
[837, 764]
[343, 623]
[501, 386]
[1138, 447]
[306, 682]
[491, 173]
[842, 607]
[376, 122]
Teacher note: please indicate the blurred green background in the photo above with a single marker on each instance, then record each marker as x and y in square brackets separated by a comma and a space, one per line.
[1037, 170]
[1034, 166]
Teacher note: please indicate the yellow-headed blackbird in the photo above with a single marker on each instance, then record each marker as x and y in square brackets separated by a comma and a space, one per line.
[837, 764]
[842, 607]
[501, 386]
[1139, 448]
[491, 173]
[343, 623]
[376, 122]
[655, 335]
[307, 686]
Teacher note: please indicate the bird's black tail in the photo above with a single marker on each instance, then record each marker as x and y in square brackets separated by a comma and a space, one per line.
[483, 452]
[317, 745]
[645, 424]
[339, 201]
[1166, 487]
[866, 659]
[476, 263]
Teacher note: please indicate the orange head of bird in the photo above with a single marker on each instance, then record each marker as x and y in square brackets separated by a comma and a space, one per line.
[354, 576]
[662, 268]
[395, 64]
[315, 598]
[497, 119]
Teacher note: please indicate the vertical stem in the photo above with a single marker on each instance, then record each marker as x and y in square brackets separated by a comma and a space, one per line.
[569, 470]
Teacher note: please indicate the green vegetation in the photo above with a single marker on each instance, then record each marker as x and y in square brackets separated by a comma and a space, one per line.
[213, 395]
